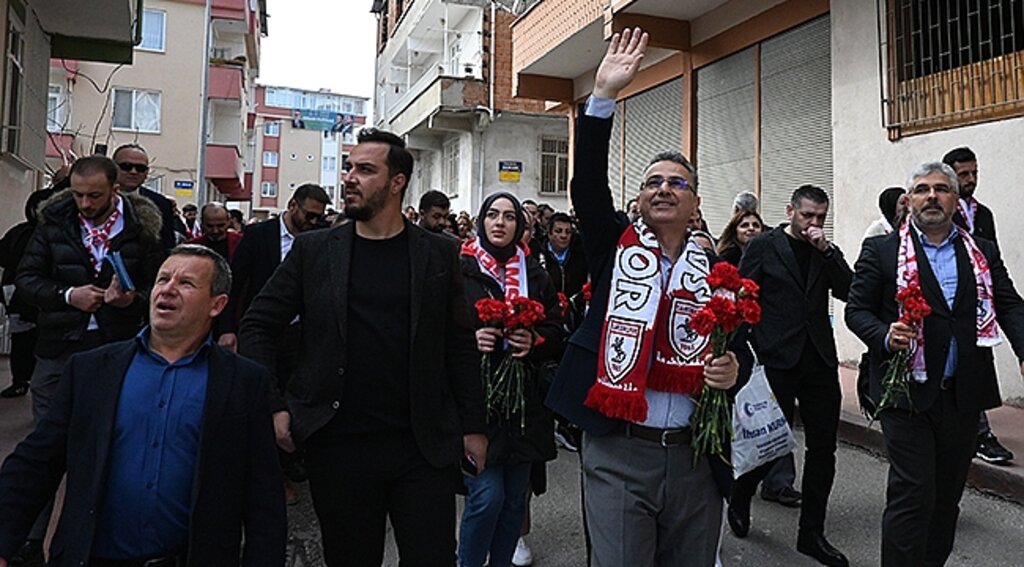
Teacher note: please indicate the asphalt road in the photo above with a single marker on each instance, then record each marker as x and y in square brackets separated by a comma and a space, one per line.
[991, 531]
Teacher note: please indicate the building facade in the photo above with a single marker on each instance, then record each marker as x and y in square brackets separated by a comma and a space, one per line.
[35, 31]
[444, 83]
[302, 137]
[158, 100]
[766, 95]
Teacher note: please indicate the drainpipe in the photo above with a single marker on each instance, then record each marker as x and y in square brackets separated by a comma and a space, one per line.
[204, 105]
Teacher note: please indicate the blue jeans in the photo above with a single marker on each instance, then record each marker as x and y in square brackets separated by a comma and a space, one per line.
[493, 515]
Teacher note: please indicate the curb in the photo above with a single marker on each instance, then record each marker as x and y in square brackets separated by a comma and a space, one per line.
[1001, 482]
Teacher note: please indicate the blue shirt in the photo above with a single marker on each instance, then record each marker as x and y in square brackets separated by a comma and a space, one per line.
[154, 450]
[942, 259]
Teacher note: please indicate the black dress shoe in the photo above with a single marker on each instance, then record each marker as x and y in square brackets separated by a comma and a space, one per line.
[739, 516]
[14, 391]
[819, 548]
[788, 497]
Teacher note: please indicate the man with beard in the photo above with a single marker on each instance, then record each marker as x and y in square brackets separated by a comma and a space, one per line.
[65, 272]
[133, 169]
[798, 269]
[930, 432]
[387, 395]
[216, 236]
[434, 209]
[980, 222]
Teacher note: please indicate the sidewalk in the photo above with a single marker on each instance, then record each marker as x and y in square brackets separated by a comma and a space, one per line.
[1007, 423]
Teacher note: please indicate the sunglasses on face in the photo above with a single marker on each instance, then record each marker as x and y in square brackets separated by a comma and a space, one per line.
[139, 167]
[311, 216]
[675, 183]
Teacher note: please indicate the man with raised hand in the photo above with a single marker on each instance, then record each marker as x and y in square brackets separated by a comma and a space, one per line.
[647, 501]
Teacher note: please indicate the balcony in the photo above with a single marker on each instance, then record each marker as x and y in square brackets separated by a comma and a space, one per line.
[225, 82]
[100, 30]
[224, 169]
[441, 100]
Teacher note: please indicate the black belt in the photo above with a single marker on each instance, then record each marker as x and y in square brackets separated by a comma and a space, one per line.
[166, 561]
[665, 437]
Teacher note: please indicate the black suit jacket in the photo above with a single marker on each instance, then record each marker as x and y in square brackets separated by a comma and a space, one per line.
[238, 482]
[167, 237]
[446, 396]
[793, 310]
[984, 223]
[601, 226]
[872, 308]
[256, 258]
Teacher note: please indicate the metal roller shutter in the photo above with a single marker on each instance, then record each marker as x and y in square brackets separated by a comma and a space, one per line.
[654, 123]
[796, 117]
[725, 135]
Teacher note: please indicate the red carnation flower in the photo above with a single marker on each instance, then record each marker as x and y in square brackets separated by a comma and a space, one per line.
[563, 303]
[748, 288]
[490, 311]
[750, 310]
[586, 291]
[724, 275]
[703, 322]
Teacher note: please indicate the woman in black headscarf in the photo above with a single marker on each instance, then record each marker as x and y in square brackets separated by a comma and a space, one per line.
[495, 265]
[890, 202]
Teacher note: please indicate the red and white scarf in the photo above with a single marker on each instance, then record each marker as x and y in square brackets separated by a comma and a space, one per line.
[97, 239]
[907, 272]
[647, 341]
[967, 210]
[513, 281]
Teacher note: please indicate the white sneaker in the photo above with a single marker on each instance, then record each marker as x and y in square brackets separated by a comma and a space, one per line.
[523, 556]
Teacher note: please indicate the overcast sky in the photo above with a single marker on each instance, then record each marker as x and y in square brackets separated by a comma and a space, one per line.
[314, 44]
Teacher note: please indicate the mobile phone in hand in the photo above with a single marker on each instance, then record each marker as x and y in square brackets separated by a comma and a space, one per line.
[468, 465]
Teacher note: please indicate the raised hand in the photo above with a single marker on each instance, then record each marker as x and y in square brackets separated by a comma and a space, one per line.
[620, 63]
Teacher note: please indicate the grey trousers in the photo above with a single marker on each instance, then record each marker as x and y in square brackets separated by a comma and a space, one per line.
[646, 504]
[43, 386]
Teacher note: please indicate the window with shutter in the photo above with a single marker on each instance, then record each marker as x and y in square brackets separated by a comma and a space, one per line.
[653, 122]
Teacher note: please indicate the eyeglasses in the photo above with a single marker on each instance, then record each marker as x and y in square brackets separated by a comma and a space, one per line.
[924, 189]
[311, 216]
[139, 167]
[655, 182]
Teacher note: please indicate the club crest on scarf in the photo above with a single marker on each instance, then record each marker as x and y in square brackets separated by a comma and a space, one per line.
[646, 341]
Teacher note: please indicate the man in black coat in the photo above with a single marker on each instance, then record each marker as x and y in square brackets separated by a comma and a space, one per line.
[930, 437]
[797, 269]
[640, 476]
[979, 221]
[133, 165]
[262, 249]
[386, 397]
[166, 439]
[65, 273]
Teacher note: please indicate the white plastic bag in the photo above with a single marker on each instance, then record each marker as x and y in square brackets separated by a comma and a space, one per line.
[760, 430]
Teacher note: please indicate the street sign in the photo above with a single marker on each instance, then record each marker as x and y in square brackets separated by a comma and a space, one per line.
[510, 171]
[183, 184]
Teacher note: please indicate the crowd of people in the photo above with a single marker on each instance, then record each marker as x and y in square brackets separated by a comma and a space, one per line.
[186, 370]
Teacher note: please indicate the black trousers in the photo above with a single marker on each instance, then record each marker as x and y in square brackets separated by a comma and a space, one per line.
[816, 385]
[930, 453]
[23, 356]
[358, 482]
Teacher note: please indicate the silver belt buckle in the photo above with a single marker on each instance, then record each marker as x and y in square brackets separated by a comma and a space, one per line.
[664, 437]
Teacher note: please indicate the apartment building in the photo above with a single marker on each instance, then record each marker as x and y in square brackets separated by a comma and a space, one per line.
[158, 100]
[444, 83]
[303, 137]
[766, 95]
[35, 31]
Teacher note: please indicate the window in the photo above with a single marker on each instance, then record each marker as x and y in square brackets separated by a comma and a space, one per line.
[153, 28]
[454, 57]
[55, 111]
[156, 183]
[450, 167]
[269, 159]
[554, 165]
[952, 62]
[272, 129]
[268, 189]
[330, 163]
[14, 79]
[137, 110]
[221, 52]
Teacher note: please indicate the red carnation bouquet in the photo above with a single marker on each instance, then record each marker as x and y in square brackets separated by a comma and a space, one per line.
[504, 387]
[896, 382]
[733, 302]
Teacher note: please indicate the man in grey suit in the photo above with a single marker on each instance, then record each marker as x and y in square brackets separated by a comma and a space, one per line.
[386, 397]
